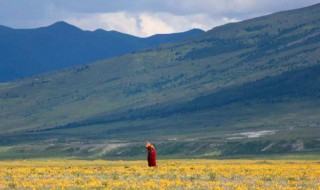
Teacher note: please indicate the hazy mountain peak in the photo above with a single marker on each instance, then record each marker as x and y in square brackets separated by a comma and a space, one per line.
[198, 30]
[64, 45]
[61, 25]
[5, 28]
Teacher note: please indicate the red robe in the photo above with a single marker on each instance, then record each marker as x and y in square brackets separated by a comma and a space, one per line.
[152, 155]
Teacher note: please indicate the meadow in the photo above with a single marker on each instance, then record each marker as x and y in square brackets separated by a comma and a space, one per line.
[169, 174]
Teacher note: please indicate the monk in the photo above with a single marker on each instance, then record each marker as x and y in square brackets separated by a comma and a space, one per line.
[152, 155]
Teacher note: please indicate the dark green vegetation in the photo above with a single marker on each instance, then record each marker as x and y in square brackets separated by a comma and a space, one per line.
[25, 52]
[240, 90]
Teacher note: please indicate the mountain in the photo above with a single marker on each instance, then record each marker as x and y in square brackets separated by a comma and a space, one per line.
[243, 89]
[26, 52]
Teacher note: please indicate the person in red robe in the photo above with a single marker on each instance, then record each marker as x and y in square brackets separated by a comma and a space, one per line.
[152, 155]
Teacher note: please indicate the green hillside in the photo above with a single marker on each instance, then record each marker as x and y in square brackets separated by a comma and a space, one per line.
[242, 89]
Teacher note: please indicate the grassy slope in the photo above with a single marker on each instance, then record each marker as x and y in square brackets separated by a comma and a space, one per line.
[260, 74]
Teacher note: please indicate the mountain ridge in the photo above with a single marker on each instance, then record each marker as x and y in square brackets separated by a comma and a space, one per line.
[32, 51]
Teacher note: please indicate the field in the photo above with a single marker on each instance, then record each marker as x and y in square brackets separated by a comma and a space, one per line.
[170, 174]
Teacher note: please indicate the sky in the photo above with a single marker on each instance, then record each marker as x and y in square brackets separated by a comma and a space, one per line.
[139, 17]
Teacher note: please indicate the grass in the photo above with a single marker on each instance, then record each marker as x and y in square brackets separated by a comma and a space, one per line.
[288, 156]
[179, 139]
[169, 174]
[4, 149]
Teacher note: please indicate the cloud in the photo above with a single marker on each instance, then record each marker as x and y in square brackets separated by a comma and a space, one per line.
[119, 21]
[146, 23]
[30, 13]
[185, 7]
[139, 17]
[152, 24]
[139, 24]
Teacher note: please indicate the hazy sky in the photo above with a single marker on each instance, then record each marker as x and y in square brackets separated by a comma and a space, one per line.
[139, 17]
